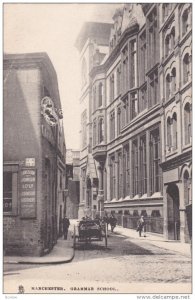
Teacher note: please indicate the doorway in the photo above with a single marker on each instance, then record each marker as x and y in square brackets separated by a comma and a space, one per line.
[173, 212]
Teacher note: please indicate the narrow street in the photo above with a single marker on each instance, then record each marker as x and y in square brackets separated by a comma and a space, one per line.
[126, 260]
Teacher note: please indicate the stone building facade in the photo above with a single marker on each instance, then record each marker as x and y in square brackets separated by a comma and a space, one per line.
[141, 118]
[73, 183]
[33, 155]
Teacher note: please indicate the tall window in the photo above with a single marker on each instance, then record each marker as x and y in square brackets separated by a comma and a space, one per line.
[135, 167]
[153, 92]
[119, 121]
[126, 171]
[167, 46]
[84, 128]
[111, 87]
[125, 69]
[153, 37]
[173, 80]
[169, 135]
[188, 123]
[174, 131]
[143, 166]
[172, 38]
[94, 133]
[132, 63]
[143, 98]
[112, 125]
[101, 130]
[100, 93]
[155, 174]
[112, 177]
[186, 21]
[126, 111]
[134, 105]
[120, 176]
[168, 86]
[186, 68]
[119, 80]
[143, 58]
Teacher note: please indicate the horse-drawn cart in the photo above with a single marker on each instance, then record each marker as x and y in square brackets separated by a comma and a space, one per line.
[87, 231]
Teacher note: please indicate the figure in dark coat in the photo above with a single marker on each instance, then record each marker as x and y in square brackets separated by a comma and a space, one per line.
[141, 226]
[66, 224]
[112, 221]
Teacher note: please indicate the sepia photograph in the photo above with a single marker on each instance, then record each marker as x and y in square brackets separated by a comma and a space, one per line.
[97, 148]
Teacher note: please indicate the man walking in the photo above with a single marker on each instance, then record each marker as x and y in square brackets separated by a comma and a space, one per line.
[66, 224]
[141, 225]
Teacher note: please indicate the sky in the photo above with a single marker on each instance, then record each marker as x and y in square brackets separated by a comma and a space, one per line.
[53, 28]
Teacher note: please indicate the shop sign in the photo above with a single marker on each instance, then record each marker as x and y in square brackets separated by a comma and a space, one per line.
[30, 162]
[28, 183]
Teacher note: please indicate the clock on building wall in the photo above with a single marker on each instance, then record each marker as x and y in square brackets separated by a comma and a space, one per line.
[48, 111]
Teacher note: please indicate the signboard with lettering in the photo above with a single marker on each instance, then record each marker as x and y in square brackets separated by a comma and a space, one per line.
[28, 182]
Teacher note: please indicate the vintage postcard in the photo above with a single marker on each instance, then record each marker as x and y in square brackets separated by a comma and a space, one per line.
[97, 148]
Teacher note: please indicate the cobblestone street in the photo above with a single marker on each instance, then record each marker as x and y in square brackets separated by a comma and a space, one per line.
[126, 261]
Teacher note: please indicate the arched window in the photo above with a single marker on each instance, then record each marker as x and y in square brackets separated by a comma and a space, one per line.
[186, 188]
[186, 21]
[101, 130]
[187, 123]
[186, 68]
[168, 86]
[167, 46]
[172, 38]
[173, 80]
[169, 136]
[100, 92]
[174, 135]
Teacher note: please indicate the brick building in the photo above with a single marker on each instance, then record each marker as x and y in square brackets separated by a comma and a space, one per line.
[33, 153]
[140, 117]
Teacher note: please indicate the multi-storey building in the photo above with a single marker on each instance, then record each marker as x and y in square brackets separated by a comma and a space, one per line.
[92, 44]
[73, 183]
[141, 118]
[33, 153]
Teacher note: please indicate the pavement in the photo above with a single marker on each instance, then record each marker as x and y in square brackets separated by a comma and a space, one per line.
[63, 251]
[157, 240]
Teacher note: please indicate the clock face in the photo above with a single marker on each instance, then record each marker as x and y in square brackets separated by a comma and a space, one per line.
[48, 111]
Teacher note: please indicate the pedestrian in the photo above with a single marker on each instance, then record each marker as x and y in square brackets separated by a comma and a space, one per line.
[112, 222]
[66, 224]
[141, 226]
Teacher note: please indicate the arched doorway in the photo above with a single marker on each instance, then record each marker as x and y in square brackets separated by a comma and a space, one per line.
[173, 213]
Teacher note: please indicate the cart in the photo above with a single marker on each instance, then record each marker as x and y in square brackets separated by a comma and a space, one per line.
[88, 231]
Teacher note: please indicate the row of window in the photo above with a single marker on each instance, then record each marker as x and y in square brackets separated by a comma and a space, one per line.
[98, 131]
[186, 16]
[143, 176]
[172, 131]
